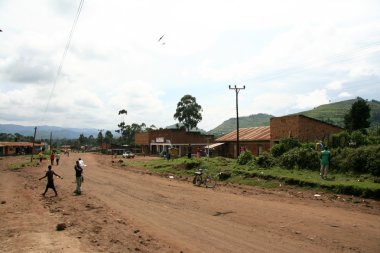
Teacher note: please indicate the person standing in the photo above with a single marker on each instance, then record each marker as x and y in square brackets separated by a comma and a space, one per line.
[325, 158]
[189, 150]
[81, 163]
[40, 156]
[50, 180]
[52, 158]
[57, 157]
[78, 177]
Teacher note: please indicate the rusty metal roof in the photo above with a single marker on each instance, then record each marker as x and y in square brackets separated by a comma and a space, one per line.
[19, 144]
[248, 134]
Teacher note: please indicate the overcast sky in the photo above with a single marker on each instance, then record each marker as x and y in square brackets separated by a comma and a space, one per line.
[290, 55]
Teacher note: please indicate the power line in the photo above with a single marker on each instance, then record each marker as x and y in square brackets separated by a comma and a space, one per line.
[64, 55]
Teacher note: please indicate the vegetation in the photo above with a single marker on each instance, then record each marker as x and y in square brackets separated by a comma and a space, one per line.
[334, 113]
[253, 173]
[358, 116]
[188, 112]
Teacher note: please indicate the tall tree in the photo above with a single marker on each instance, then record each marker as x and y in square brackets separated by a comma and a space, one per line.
[108, 137]
[188, 112]
[99, 139]
[358, 116]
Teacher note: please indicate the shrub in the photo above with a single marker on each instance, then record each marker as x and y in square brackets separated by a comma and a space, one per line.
[302, 158]
[373, 160]
[265, 160]
[277, 150]
[359, 138]
[365, 159]
[245, 158]
[284, 146]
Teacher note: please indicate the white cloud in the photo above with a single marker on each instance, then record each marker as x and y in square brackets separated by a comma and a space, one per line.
[344, 95]
[312, 99]
[291, 55]
[335, 85]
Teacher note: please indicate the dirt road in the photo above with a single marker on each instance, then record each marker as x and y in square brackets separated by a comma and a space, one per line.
[125, 209]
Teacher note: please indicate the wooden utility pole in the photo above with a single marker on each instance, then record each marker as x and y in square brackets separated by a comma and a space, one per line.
[237, 117]
[51, 135]
[34, 140]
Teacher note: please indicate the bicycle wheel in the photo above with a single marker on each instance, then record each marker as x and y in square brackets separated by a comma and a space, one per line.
[210, 182]
[197, 180]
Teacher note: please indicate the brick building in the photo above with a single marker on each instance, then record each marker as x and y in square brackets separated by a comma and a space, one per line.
[259, 139]
[300, 127]
[157, 141]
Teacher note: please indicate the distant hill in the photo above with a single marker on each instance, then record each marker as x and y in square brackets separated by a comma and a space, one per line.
[43, 132]
[229, 125]
[334, 112]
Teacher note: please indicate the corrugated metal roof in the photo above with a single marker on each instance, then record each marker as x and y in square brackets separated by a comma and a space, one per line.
[19, 144]
[248, 134]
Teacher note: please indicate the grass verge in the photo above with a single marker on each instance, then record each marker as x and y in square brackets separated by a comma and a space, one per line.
[357, 185]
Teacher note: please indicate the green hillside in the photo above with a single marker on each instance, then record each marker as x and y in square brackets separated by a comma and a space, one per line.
[229, 125]
[334, 113]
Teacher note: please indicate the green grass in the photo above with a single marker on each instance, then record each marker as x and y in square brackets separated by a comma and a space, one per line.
[358, 185]
[16, 166]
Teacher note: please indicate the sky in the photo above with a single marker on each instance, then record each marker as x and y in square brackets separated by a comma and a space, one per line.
[290, 56]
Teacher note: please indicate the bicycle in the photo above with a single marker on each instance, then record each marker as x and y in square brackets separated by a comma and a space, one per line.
[206, 179]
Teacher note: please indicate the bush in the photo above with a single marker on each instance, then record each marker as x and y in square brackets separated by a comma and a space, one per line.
[245, 158]
[265, 160]
[359, 138]
[301, 158]
[373, 160]
[277, 150]
[284, 146]
[365, 159]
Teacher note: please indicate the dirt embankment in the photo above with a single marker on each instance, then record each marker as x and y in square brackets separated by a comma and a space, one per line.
[129, 210]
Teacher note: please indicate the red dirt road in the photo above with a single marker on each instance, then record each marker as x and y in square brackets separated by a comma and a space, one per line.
[125, 209]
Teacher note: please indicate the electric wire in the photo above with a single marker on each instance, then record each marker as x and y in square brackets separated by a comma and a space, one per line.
[63, 57]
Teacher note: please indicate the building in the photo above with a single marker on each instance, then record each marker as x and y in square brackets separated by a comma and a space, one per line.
[18, 148]
[300, 127]
[260, 139]
[254, 139]
[157, 141]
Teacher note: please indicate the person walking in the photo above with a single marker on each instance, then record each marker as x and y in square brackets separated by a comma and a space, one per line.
[325, 158]
[52, 158]
[78, 177]
[50, 180]
[57, 157]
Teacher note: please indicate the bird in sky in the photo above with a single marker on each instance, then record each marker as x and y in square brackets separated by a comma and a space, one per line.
[161, 38]
[1, 30]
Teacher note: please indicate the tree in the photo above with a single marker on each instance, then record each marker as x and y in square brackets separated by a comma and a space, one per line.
[108, 137]
[188, 112]
[99, 139]
[358, 116]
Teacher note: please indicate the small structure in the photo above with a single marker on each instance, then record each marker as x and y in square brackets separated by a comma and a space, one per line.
[19, 148]
[254, 139]
[160, 141]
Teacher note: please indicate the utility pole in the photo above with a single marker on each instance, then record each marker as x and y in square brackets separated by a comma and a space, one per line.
[51, 136]
[237, 116]
[34, 140]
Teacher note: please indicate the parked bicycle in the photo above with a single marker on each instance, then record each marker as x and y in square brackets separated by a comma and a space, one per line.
[203, 178]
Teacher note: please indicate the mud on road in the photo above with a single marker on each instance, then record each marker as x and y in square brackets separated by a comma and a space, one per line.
[125, 209]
